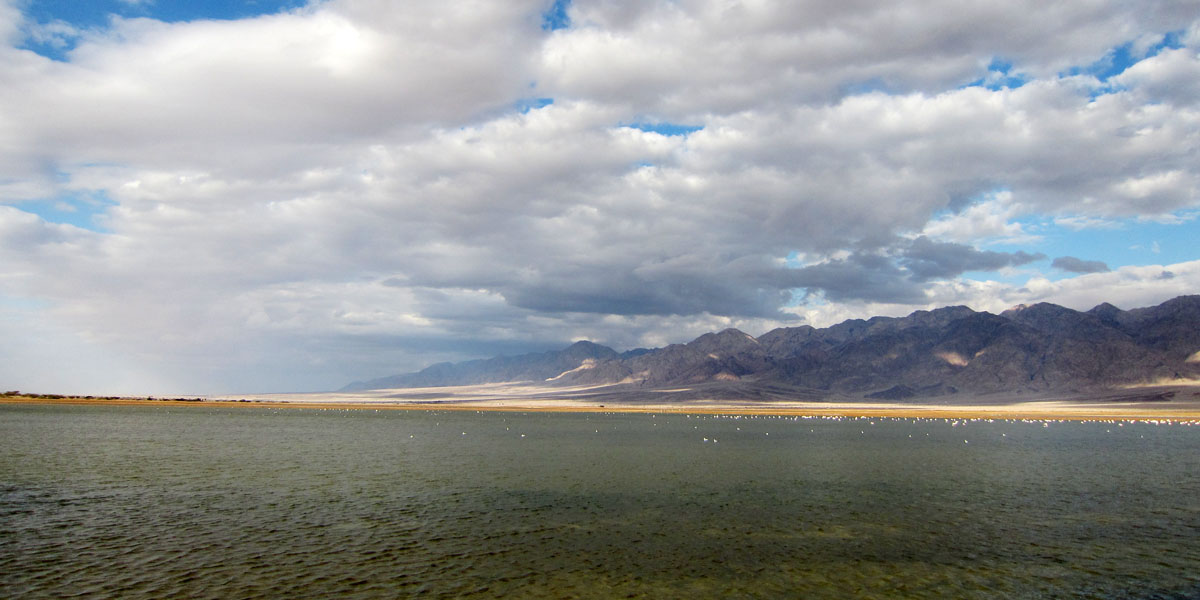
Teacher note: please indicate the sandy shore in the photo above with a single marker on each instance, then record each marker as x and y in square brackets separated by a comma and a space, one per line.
[1177, 403]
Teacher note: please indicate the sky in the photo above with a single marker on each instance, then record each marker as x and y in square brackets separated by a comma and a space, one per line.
[281, 196]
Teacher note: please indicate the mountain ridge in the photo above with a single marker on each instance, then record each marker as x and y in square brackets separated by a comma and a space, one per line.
[1034, 348]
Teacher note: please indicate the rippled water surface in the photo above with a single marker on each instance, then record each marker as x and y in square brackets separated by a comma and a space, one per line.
[254, 502]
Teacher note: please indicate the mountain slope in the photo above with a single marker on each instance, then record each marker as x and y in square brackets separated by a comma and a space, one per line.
[1028, 348]
[526, 367]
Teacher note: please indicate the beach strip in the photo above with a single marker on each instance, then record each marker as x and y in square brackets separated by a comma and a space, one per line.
[1175, 411]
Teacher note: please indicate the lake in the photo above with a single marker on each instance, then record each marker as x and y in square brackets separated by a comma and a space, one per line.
[258, 502]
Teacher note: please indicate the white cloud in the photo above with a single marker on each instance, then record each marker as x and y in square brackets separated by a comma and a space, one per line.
[678, 59]
[1172, 76]
[11, 21]
[1080, 222]
[260, 96]
[57, 33]
[987, 221]
[1166, 189]
[1127, 288]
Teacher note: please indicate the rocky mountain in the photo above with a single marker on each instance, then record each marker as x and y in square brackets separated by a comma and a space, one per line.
[1043, 347]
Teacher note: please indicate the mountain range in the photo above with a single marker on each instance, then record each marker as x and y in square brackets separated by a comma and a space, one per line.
[1026, 349]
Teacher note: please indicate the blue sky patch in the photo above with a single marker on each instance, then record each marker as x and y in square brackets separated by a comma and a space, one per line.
[1117, 60]
[525, 105]
[1122, 242]
[79, 209]
[1000, 76]
[667, 129]
[1113, 63]
[557, 17]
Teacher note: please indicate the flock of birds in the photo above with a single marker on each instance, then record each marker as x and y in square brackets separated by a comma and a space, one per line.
[736, 419]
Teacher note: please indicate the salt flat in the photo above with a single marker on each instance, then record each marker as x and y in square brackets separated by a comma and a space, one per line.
[1180, 402]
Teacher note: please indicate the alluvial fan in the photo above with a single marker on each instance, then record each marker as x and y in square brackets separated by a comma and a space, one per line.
[212, 502]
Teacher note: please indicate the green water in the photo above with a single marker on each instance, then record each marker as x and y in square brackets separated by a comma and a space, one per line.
[252, 502]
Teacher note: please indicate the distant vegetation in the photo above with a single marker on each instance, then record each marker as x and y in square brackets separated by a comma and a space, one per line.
[20, 394]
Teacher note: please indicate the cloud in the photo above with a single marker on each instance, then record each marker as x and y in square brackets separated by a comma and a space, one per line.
[1172, 76]
[1077, 265]
[859, 277]
[900, 275]
[11, 21]
[57, 33]
[1126, 287]
[347, 189]
[54, 357]
[927, 259]
[1080, 223]
[681, 59]
[989, 218]
[256, 97]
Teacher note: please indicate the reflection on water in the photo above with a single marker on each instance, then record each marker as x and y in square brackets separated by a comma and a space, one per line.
[252, 502]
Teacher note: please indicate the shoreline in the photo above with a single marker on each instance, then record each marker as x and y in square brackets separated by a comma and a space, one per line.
[1053, 410]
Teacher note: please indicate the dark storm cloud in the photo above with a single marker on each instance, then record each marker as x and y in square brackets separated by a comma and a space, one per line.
[858, 277]
[1078, 265]
[927, 259]
[666, 294]
[899, 274]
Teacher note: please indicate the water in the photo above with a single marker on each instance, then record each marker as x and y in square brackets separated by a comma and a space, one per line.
[253, 502]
